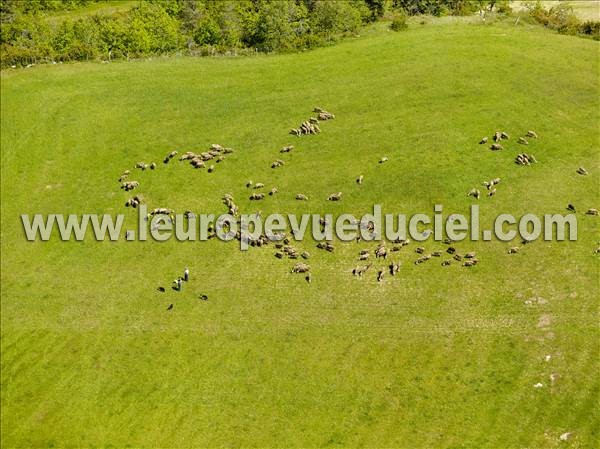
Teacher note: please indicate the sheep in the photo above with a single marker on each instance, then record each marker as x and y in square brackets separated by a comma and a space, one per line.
[308, 278]
[571, 208]
[279, 255]
[491, 192]
[211, 169]
[383, 159]
[470, 255]
[161, 289]
[592, 211]
[497, 136]
[363, 256]
[130, 185]
[394, 268]
[380, 276]
[457, 257]
[513, 250]
[335, 196]
[178, 284]
[287, 149]
[436, 254]
[186, 274]
[273, 191]
[446, 262]
[203, 297]
[531, 134]
[170, 307]
[277, 163]
[496, 147]
[381, 251]
[420, 250]
[469, 263]
[305, 255]
[475, 193]
[227, 150]
[582, 171]
[172, 154]
[301, 197]
[483, 141]
[504, 135]
[301, 267]
[249, 184]
[258, 185]
[359, 180]
[220, 159]
[451, 250]
[523, 141]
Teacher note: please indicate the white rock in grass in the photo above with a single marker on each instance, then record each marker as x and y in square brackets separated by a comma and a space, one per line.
[538, 385]
[565, 436]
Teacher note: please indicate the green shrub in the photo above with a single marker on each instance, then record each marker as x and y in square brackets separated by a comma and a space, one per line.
[399, 22]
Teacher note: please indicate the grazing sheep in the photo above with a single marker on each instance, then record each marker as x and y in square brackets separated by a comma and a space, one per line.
[447, 262]
[363, 256]
[513, 250]
[249, 184]
[186, 274]
[359, 180]
[305, 255]
[582, 171]
[483, 141]
[277, 163]
[178, 284]
[301, 267]
[203, 297]
[469, 263]
[381, 251]
[419, 250]
[301, 197]
[592, 211]
[436, 254]
[394, 268]
[279, 255]
[380, 276]
[491, 192]
[258, 185]
[329, 247]
[130, 185]
[287, 149]
[161, 289]
[273, 191]
[497, 136]
[470, 255]
[475, 193]
[523, 141]
[335, 196]
[531, 134]
[172, 154]
[211, 169]
[170, 307]
[383, 159]
[308, 278]
[457, 257]
[451, 250]
[505, 136]
[571, 208]
[496, 147]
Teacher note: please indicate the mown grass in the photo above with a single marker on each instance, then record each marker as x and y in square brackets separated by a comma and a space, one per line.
[433, 358]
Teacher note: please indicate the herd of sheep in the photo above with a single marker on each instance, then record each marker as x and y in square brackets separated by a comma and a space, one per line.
[283, 248]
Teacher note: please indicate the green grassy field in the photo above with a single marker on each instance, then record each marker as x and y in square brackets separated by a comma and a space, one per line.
[435, 357]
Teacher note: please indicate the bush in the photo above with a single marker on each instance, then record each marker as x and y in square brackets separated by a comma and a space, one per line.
[399, 22]
[590, 28]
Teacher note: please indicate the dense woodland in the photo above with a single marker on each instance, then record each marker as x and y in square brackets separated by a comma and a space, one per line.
[39, 31]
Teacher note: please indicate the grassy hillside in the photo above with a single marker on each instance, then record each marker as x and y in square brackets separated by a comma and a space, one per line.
[436, 357]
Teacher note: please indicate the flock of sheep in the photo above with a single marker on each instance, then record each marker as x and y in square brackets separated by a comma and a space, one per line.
[283, 247]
